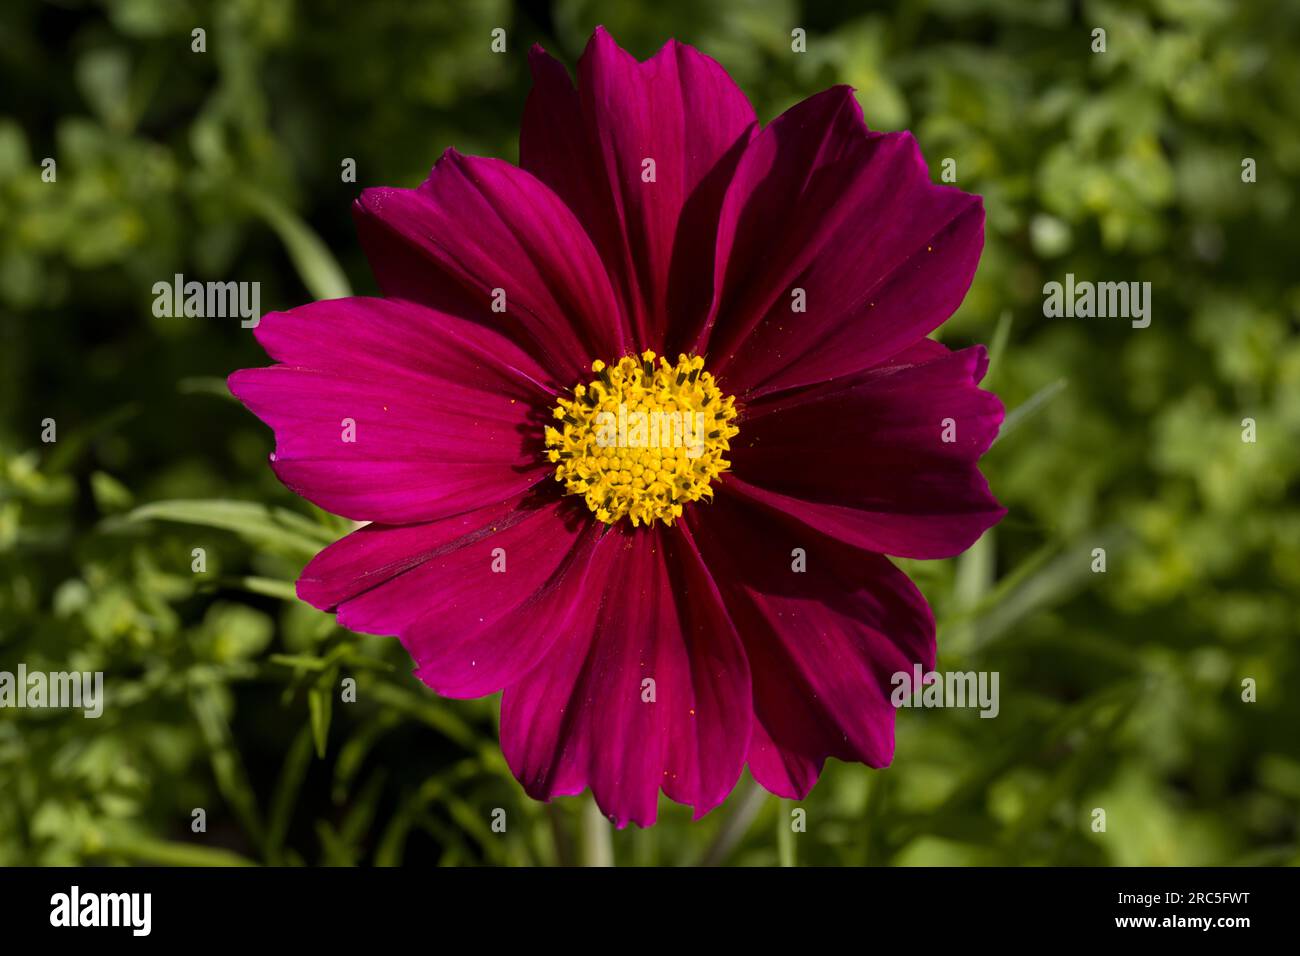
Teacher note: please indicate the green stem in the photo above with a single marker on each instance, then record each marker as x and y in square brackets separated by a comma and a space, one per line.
[784, 834]
[596, 847]
[746, 803]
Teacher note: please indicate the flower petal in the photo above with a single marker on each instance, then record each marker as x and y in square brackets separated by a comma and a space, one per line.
[480, 225]
[885, 460]
[586, 714]
[822, 643]
[781, 770]
[819, 204]
[388, 411]
[679, 109]
[476, 599]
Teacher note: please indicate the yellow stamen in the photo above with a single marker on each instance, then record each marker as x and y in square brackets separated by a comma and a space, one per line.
[642, 438]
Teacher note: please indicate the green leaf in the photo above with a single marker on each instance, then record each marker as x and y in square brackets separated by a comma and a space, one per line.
[317, 267]
[971, 583]
[69, 447]
[226, 765]
[205, 385]
[355, 750]
[110, 494]
[258, 524]
[285, 798]
[320, 704]
[143, 849]
[1048, 585]
[1022, 412]
[426, 708]
[270, 587]
[300, 661]
[998, 347]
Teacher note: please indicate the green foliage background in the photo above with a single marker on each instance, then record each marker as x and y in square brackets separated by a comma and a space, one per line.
[1119, 690]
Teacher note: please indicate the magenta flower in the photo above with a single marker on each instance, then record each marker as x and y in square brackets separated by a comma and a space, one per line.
[634, 424]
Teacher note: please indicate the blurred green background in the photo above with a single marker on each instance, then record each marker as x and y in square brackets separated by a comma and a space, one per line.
[1120, 690]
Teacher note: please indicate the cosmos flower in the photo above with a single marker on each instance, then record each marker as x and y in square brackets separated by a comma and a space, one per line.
[635, 423]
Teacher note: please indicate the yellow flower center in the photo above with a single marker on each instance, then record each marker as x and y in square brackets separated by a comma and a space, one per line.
[642, 438]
